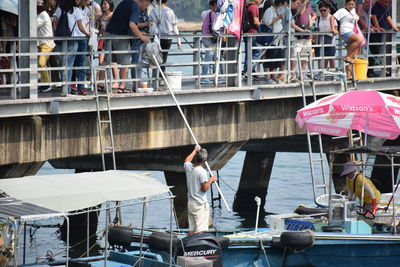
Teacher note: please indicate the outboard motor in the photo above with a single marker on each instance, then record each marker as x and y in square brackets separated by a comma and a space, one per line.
[203, 245]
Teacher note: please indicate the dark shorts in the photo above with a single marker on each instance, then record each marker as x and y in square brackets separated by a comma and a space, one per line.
[274, 53]
[121, 46]
[328, 51]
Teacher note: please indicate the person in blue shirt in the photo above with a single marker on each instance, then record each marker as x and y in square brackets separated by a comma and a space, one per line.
[125, 22]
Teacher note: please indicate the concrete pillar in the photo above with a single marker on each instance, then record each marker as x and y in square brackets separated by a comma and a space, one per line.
[20, 169]
[178, 181]
[254, 180]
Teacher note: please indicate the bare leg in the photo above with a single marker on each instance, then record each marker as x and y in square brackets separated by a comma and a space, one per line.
[123, 74]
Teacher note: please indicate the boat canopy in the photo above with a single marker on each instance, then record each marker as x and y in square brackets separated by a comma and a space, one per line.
[25, 211]
[71, 192]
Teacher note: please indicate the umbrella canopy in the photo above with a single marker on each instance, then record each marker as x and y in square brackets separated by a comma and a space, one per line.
[9, 6]
[371, 112]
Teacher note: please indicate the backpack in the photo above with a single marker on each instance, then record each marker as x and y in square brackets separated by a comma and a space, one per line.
[211, 24]
[245, 18]
[63, 25]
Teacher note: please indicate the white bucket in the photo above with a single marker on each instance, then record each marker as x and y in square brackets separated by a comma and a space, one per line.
[174, 79]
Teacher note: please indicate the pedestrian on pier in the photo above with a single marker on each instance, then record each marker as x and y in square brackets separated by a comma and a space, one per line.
[198, 184]
[348, 19]
[44, 29]
[124, 22]
[163, 21]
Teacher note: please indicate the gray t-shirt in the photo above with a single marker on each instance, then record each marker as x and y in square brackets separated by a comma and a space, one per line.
[194, 178]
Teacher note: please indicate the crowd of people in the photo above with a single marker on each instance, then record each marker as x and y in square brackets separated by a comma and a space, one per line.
[323, 16]
[72, 18]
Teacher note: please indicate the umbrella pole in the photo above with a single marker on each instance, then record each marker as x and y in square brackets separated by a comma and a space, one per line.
[364, 162]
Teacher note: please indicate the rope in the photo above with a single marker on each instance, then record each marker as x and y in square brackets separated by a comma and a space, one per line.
[265, 253]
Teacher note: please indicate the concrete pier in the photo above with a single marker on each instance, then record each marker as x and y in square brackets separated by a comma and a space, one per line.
[254, 180]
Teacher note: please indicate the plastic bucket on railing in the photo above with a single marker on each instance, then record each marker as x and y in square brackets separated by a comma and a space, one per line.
[174, 79]
[360, 68]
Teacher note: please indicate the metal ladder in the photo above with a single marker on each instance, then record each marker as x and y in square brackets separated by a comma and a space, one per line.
[321, 183]
[353, 81]
[104, 122]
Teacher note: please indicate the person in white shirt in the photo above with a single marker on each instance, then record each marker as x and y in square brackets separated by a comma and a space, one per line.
[328, 40]
[347, 17]
[198, 184]
[44, 29]
[164, 20]
[77, 27]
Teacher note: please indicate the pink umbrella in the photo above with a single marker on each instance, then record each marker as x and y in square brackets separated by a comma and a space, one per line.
[371, 112]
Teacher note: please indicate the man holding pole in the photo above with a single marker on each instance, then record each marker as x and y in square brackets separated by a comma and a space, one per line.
[198, 184]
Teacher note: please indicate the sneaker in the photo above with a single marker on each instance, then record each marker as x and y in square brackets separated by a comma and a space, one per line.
[222, 80]
[279, 81]
[293, 79]
[270, 81]
[205, 81]
[256, 78]
[82, 91]
[44, 89]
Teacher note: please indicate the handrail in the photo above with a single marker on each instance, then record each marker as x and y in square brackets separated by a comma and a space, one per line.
[178, 59]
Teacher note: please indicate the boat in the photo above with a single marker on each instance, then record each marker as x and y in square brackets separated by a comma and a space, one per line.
[33, 198]
[334, 235]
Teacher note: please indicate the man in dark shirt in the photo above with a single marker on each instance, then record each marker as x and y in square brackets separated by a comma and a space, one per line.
[382, 21]
[254, 24]
[124, 22]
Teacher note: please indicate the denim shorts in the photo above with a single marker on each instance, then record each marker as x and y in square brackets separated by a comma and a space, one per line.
[346, 36]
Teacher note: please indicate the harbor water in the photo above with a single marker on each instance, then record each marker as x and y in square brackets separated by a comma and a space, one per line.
[289, 186]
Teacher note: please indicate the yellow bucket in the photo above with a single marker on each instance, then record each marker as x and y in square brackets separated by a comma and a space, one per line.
[360, 68]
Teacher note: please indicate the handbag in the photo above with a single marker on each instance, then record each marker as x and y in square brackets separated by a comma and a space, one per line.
[265, 40]
[359, 33]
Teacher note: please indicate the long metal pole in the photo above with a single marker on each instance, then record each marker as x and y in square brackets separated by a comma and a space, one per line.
[142, 229]
[369, 27]
[190, 129]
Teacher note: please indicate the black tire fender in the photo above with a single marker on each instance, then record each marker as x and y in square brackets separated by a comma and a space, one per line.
[161, 240]
[297, 239]
[331, 228]
[120, 235]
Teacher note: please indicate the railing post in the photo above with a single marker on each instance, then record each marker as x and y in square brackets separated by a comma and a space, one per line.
[13, 76]
[232, 68]
[64, 77]
[197, 58]
[27, 29]
[393, 54]
[249, 53]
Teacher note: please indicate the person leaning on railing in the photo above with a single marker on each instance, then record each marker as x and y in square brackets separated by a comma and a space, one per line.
[323, 25]
[382, 21]
[124, 22]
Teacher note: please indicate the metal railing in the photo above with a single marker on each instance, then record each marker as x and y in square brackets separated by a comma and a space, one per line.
[189, 60]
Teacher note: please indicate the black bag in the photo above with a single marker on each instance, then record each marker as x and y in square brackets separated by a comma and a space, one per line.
[265, 40]
[63, 25]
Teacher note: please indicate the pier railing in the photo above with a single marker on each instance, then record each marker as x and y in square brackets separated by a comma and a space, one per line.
[19, 74]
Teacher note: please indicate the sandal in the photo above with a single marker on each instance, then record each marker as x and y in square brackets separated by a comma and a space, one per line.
[101, 88]
[349, 61]
[124, 90]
